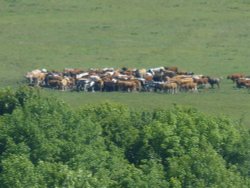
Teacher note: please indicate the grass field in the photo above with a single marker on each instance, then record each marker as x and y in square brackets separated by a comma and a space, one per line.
[206, 37]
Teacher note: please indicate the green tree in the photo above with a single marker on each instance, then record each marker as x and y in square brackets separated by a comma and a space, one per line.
[18, 171]
[8, 101]
[45, 143]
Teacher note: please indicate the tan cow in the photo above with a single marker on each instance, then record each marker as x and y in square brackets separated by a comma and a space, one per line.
[186, 81]
[169, 87]
[189, 87]
[36, 77]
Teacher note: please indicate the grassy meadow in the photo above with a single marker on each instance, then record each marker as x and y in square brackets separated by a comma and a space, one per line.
[206, 37]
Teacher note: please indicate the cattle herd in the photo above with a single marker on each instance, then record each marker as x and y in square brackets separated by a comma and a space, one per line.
[160, 79]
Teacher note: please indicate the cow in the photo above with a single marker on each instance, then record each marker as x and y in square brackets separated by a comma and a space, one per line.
[126, 85]
[64, 84]
[235, 76]
[99, 85]
[247, 85]
[72, 72]
[157, 86]
[52, 76]
[169, 87]
[138, 84]
[214, 81]
[55, 84]
[123, 77]
[169, 74]
[159, 70]
[67, 83]
[148, 85]
[173, 69]
[139, 73]
[181, 72]
[200, 80]
[186, 80]
[61, 83]
[242, 82]
[148, 77]
[109, 85]
[159, 76]
[85, 85]
[81, 75]
[189, 87]
[36, 77]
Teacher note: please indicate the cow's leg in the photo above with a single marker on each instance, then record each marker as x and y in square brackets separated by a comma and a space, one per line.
[85, 88]
[218, 84]
[31, 80]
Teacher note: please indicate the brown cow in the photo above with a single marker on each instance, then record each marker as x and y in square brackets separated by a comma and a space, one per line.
[72, 72]
[126, 86]
[201, 80]
[52, 76]
[235, 76]
[189, 87]
[174, 69]
[138, 84]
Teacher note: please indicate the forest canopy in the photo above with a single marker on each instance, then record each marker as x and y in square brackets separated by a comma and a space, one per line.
[45, 143]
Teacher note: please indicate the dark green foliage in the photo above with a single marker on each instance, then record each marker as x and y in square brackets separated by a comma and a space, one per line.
[18, 171]
[116, 121]
[44, 143]
[8, 101]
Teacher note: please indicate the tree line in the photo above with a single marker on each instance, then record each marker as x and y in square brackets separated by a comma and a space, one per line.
[45, 143]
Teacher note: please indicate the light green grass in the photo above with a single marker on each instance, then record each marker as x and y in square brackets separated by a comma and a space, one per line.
[226, 101]
[206, 37]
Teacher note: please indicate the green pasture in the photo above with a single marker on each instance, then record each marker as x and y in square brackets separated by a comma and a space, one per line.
[206, 37]
[226, 101]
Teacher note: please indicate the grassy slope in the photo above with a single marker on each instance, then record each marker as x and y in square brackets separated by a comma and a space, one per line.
[208, 37]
